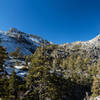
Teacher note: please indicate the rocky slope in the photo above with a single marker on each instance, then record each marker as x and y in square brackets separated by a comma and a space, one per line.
[90, 49]
[76, 69]
[93, 43]
[26, 42]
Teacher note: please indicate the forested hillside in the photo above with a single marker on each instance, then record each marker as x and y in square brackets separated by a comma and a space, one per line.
[40, 70]
[52, 76]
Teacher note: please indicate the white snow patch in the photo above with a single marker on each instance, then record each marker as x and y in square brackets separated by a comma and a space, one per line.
[18, 67]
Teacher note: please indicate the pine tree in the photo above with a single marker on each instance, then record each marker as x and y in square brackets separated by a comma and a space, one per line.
[96, 87]
[39, 79]
[3, 56]
[27, 59]
[76, 68]
[13, 85]
[3, 79]
[3, 87]
[17, 53]
[96, 82]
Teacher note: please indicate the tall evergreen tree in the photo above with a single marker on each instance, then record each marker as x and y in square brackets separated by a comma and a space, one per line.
[13, 85]
[96, 82]
[17, 53]
[3, 56]
[39, 79]
[3, 79]
[16, 86]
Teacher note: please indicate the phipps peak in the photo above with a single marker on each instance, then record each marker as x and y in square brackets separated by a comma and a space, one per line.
[26, 42]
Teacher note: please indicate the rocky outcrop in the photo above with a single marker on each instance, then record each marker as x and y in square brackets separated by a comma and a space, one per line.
[14, 30]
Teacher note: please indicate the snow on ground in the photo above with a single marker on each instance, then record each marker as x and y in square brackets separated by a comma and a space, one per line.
[18, 67]
[16, 39]
[10, 64]
[22, 74]
[10, 42]
[19, 72]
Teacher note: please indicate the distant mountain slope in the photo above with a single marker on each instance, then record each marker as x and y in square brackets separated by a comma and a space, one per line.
[26, 42]
[90, 44]
[90, 49]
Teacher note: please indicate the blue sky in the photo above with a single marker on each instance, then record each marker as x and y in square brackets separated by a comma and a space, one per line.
[59, 21]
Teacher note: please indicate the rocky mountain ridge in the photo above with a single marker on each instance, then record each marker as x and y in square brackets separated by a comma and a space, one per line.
[26, 42]
[29, 43]
[90, 44]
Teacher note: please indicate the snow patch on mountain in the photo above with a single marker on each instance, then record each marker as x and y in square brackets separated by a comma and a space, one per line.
[16, 64]
[26, 42]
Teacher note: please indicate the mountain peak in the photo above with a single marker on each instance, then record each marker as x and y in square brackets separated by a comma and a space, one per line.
[15, 30]
[96, 39]
[27, 43]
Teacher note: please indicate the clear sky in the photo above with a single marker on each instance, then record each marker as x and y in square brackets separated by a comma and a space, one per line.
[59, 21]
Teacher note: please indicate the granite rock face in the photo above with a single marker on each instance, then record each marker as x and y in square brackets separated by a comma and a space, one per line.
[16, 39]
